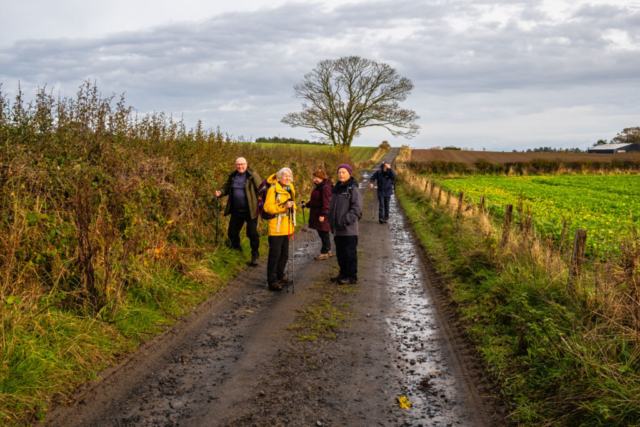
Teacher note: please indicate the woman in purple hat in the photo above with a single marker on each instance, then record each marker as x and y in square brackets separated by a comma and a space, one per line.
[345, 210]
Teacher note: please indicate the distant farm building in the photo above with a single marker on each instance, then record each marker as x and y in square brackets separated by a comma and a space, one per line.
[614, 148]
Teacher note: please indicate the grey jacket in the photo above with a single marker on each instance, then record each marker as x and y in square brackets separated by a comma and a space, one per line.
[345, 209]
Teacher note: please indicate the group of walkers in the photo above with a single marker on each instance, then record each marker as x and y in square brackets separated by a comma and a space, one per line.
[334, 208]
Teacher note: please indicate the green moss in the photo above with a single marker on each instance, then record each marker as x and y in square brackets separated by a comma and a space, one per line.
[323, 317]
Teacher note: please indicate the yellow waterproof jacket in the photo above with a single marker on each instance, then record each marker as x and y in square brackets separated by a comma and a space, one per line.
[277, 196]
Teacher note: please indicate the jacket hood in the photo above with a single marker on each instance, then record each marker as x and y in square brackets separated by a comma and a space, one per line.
[279, 188]
[348, 183]
[272, 179]
[326, 182]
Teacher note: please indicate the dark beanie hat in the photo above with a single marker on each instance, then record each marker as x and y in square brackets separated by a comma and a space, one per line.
[347, 167]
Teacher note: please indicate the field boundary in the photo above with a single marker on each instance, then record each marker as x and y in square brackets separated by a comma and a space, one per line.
[547, 328]
[434, 189]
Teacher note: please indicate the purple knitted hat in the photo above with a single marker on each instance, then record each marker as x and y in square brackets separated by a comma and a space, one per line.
[347, 167]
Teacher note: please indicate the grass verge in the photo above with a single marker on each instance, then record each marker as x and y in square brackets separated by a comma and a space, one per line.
[49, 352]
[557, 360]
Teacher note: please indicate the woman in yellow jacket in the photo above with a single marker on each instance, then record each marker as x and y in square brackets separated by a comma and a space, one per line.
[279, 202]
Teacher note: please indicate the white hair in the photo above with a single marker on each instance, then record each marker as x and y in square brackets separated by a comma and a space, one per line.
[282, 172]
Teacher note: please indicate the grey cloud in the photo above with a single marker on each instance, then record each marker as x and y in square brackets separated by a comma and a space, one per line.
[252, 59]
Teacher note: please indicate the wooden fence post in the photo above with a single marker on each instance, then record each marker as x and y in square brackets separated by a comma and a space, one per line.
[577, 257]
[448, 197]
[481, 204]
[426, 185]
[433, 187]
[460, 203]
[506, 229]
[439, 195]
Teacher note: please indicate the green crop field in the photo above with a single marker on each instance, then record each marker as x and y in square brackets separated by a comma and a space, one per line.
[605, 205]
[362, 154]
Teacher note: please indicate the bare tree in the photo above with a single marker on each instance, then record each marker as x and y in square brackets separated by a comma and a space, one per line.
[343, 96]
[627, 136]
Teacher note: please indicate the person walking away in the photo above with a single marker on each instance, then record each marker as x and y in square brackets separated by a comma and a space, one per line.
[242, 186]
[345, 210]
[280, 203]
[318, 205]
[385, 177]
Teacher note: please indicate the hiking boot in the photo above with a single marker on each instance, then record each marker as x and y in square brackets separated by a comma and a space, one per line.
[386, 220]
[330, 254]
[275, 286]
[336, 278]
[347, 281]
[255, 257]
[285, 282]
[381, 221]
[321, 257]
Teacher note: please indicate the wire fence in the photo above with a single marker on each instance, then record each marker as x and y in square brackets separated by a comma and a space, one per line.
[596, 249]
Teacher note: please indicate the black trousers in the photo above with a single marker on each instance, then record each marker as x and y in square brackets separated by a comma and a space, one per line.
[235, 225]
[278, 257]
[383, 206]
[347, 254]
[326, 241]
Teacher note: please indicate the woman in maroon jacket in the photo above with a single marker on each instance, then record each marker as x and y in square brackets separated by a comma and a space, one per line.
[319, 209]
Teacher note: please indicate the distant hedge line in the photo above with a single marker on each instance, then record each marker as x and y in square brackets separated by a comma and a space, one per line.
[532, 167]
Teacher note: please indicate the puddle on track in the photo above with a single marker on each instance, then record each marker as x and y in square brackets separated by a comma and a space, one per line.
[428, 380]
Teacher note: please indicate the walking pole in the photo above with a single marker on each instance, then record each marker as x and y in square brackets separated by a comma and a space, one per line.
[217, 216]
[303, 222]
[288, 241]
[293, 253]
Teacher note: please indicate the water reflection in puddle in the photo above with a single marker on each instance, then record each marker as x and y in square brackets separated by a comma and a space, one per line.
[422, 356]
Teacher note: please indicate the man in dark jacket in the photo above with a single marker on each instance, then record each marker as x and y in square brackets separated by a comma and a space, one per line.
[242, 186]
[386, 177]
[345, 210]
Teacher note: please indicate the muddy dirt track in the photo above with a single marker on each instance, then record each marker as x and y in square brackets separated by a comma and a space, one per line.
[248, 357]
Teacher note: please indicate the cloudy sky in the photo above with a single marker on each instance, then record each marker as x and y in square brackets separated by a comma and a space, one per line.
[489, 74]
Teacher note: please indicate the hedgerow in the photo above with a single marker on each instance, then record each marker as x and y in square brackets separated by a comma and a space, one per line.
[107, 232]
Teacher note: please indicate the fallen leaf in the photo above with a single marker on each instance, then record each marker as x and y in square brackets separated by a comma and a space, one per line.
[249, 311]
[404, 402]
